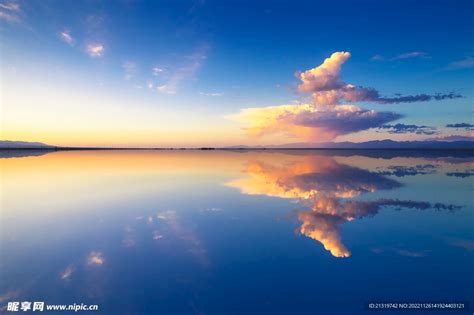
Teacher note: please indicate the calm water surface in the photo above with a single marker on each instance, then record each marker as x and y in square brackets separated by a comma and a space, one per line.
[219, 232]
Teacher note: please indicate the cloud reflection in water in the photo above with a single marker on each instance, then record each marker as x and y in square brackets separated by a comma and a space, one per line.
[325, 188]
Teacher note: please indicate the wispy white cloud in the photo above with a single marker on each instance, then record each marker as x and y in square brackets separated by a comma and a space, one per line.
[412, 54]
[167, 88]
[211, 94]
[10, 6]
[465, 63]
[67, 37]
[130, 69]
[403, 56]
[10, 12]
[66, 273]
[377, 57]
[95, 50]
[185, 72]
[157, 235]
[11, 18]
[156, 71]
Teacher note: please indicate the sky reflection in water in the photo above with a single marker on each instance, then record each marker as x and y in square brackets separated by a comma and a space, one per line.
[232, 232]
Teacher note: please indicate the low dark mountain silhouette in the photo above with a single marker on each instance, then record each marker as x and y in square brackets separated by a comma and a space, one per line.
[376, 144]
[5, 144]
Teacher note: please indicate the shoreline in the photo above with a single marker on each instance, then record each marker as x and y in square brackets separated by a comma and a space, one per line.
[231, 149]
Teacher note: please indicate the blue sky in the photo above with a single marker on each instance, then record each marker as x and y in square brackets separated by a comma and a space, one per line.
[163, 71]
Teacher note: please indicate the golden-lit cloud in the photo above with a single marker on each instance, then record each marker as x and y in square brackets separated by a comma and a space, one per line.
[324, 229]
[325, 118]
[307, 178]
[324, 81]
[310, 122]
[327, 88]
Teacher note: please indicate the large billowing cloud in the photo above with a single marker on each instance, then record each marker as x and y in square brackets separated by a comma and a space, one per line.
[310, 122]
[325, 118]
[325, 84]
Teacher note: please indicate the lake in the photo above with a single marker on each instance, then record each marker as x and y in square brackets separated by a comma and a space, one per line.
[237, 232]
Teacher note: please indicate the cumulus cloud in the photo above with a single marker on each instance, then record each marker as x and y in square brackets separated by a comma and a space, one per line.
[403, 128]
[95, 259]
[316, 123]
[325, 84]
[95, 50]
[67, 37]
[326, 117]
[466, 126]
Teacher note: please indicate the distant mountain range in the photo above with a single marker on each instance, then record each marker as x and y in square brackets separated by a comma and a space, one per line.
[5, 144]
[376, 144]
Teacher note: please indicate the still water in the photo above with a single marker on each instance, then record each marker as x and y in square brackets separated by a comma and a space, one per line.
[236, 232]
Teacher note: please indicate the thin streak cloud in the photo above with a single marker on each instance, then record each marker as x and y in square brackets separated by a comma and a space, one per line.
[10, 12]
[403, 128]
[185, 72]
[67, 37]
[10, 6]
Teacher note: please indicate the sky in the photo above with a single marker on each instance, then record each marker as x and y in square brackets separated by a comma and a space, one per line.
[223, 73]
